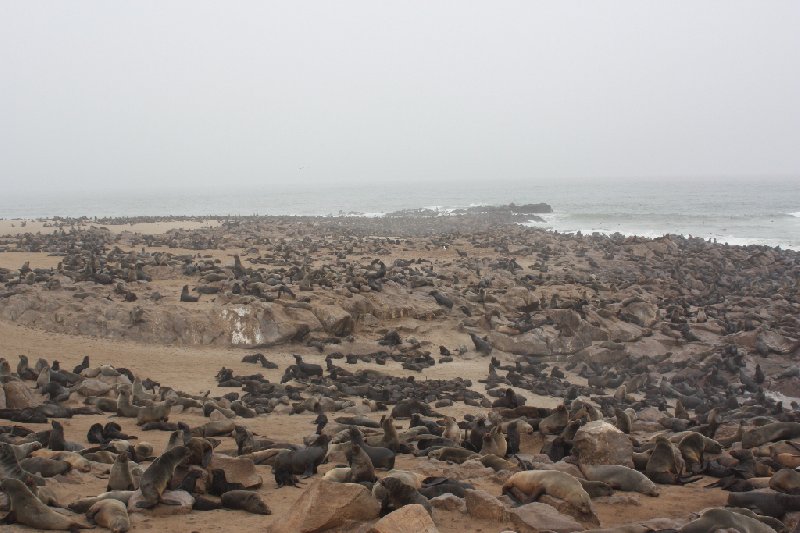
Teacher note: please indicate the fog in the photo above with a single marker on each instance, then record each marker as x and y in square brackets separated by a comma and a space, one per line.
[188, 93]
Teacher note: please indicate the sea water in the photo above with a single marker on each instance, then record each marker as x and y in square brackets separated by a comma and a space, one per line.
[734, 210]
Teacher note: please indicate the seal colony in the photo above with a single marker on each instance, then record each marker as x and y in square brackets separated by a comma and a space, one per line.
[351, 374]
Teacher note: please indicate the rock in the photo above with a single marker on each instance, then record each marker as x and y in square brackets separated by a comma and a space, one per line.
[19, 396]
[334, 319]
[600, 443]
[641, 313]
[237, 470]
[180, 502]
[536, 517]
[777, 342]
[2, 397]
[525, 344]
[93, 387]
[412, 518]
[449, 502]
[570, 510]
[604, 355]
[481, 504]
[324, 505]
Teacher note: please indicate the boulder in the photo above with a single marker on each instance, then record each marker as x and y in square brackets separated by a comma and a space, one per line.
[606, 353]
[524, 344]
[2, 397]
[324, 505]
[19, 396]
[93, 387]
[334, 319]
[412, 518]
[481, 504]
[237, 470]
[449, 502]
[641, 313]
[600, 443]
[536, 517]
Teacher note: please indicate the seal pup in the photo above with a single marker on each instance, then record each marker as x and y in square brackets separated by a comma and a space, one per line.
[45, 467]
[157, 476]
[111, 514]
[120, 477]
[245, 500]
[283, 470]
[186, 296]
[394, 494]
[28, 510]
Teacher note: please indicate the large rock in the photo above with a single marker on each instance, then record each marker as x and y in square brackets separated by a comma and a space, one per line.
[600, 443]
[411, 518]
[2, 397]
[237, 470]
[93, 387]
[524, 344]
[324, 505]
[334, 319]
[19, 396]
[481, 504]
[605, 354]
[449, 502]
[641, 313]
[536, 517]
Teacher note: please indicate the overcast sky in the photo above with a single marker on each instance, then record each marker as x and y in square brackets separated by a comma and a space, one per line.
[174, 92]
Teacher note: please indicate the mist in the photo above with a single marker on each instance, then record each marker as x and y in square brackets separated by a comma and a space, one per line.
[186, 94]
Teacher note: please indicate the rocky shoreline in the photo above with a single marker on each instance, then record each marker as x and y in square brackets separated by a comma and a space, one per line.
[472, 350]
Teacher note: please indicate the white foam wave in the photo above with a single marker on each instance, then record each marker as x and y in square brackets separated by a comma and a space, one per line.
[796, 214]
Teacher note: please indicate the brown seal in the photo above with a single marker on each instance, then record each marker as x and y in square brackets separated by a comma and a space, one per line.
[120, 477]
[27, 509]
[157, 476]
[111, 514]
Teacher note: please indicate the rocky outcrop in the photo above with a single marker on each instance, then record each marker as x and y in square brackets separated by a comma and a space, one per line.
[600, 443]
[412, 518]
[325, 505]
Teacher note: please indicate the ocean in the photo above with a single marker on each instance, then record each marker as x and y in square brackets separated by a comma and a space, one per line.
[736, 211]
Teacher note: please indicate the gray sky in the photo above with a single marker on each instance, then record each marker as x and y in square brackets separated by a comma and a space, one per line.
[174, 92]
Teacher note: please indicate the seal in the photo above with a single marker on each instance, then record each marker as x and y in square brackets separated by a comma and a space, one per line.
[393, 494]
[111, 514]
[380, 457]
[786, 480]
[361, 468]
[725, 519]
[497, 463]
[774, 504]
[28, 510]
[595, 489]
[770, 433]
[665, 464]
[124, 407]
[45, 467]
[10, 468]
[283, 470]
[528, 486]
[494, 442]
[120, 477]
[620, 478]
[452, 454]
[245, 500]
[155, 413]
[157, 476]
